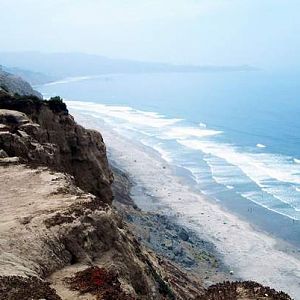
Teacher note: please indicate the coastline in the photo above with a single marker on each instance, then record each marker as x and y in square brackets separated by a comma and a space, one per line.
[249, 253]
[165, 237]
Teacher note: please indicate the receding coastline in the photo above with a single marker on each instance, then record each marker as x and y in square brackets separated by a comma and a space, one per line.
[65, 239]
[250, 253]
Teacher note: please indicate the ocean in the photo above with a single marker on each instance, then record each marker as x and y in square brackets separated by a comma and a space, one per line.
[236, 135]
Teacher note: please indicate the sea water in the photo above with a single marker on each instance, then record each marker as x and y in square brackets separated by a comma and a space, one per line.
[236, 133]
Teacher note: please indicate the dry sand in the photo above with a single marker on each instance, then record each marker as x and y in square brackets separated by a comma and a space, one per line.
[250, 253]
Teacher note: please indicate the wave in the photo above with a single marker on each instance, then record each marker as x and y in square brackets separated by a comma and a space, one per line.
[296, 161]
[266, 170]
[230, 166]
[258, 166]
[187, 132]
[69, 80]
[230, 187]
[166, 155]
[261, 146]
[252, 196]
[125, 114]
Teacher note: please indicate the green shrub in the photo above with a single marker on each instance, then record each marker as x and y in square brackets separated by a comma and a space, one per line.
[57, 104]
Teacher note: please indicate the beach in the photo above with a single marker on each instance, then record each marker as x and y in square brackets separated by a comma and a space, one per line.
[249, 253]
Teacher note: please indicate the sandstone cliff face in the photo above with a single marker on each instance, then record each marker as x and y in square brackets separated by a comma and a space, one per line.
[44, 135]
[50, 230]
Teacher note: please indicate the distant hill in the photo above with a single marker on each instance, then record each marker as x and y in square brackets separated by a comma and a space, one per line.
[77, 64]
[16, 85]
[33, 78]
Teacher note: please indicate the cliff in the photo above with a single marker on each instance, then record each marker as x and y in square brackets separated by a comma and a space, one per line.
[32, 77]
[14, 84]
[43, 133]
[56, 214]
[60, 236]
[51, 230]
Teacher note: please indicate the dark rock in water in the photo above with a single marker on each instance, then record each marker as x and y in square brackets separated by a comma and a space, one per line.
[183, 234]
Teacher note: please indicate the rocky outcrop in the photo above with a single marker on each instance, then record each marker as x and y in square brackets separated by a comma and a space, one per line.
[242, 291]
[43, 133]
[51, 230]
[16, 85]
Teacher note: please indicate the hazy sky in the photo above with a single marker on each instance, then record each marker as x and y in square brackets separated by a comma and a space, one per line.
[255, 32]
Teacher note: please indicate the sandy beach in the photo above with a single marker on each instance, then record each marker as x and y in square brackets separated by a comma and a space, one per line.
[250, 253]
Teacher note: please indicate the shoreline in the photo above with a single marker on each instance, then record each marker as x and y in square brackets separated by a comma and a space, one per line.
[163, 235]
[251, 254]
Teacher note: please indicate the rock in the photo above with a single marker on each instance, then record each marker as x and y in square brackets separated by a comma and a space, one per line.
[183, 234]
[188, 261]
[3, 154]
[3, 127]
[55, 140]
[242, 290]
[23, 134]
[129, 218]
[173, 234]
[11, 117]
[9, 160]
[168, 244]
[169, 226]
[178, 251]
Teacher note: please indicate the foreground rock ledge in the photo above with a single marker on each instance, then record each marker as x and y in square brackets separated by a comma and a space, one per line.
[51, 227]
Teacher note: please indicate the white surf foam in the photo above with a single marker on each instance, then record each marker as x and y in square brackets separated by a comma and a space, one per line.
[188, 132]
[125, 114]
[260, 168]
[69, 80]
[296, 161]
[261, 146]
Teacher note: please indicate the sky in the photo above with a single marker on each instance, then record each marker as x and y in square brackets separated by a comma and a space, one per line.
[262, 33]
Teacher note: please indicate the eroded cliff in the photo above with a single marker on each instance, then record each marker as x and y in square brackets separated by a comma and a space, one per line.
[56, 214]
[43, 133]
[51, 229]
[60, 236]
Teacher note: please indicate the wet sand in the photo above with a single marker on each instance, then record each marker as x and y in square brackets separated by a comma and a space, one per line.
[250, 253]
